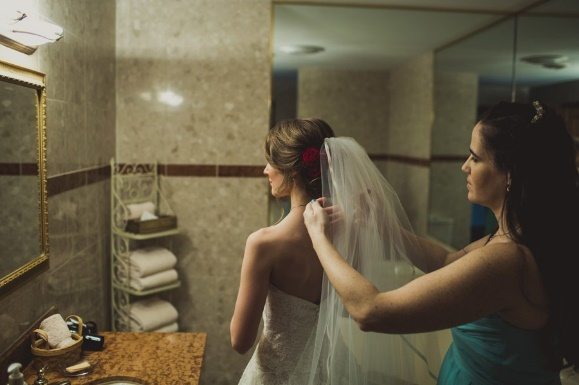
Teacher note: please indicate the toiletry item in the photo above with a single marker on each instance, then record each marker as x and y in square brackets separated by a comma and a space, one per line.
[15, 376]
[40, 379]
[137, 209]
[93, 342]
[72, 325]
[88, 327]
[57, 331]
[84, 364]
[81, 368]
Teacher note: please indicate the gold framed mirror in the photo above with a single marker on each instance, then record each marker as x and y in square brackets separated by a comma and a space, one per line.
[23, 186]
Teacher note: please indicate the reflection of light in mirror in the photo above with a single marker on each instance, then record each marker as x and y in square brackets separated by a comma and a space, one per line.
[170, 98]
[548, 61]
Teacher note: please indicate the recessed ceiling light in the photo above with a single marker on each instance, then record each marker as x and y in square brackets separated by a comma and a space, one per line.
[547, 61]
[301, 49]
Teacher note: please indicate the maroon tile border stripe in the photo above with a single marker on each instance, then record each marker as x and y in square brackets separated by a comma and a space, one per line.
[61, 183]
[18, 169]
[239, 171]
[188, 170]
[65, 182]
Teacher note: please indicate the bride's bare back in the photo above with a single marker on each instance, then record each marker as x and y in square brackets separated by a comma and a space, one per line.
[296, 268]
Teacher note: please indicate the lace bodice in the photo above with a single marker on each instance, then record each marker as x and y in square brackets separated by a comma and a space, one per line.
[287, 324]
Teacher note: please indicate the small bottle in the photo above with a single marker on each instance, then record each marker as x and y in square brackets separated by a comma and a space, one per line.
[15, 376]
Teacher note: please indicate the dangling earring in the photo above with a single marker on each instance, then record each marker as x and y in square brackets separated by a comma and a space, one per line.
[508, 187]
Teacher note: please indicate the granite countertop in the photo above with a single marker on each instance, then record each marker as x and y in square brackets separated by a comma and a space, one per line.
[155, 358]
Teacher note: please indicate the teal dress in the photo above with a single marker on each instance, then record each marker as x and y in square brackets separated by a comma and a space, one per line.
[490, 351]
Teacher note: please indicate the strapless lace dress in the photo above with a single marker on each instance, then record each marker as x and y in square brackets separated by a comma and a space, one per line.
[288, 322]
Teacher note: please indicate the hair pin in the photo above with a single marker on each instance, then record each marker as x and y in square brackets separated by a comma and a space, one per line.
[539, 111]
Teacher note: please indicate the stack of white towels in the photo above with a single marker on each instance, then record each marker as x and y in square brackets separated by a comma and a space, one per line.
[149, 268]
[153, 315]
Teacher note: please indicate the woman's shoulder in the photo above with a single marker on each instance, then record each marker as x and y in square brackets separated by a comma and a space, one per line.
[266, 234]
[503, 252]
[266, 240]
[505, 258]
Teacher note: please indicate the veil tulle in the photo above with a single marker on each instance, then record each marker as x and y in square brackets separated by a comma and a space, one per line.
[375, 237]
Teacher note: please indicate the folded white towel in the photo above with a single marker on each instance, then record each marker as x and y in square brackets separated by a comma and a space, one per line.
[147, 216]
[154, 280]
[65, 343]
[137, 209]
[56, 329]
[171, 328]
[150, 260]
[152, 313]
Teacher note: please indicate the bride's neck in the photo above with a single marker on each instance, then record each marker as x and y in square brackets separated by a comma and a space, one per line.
[299, 197]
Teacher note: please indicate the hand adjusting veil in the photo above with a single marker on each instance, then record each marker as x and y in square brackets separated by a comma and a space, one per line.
[375, 237]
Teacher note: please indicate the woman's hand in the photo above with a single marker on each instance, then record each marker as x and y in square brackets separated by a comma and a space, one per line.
[317, 218]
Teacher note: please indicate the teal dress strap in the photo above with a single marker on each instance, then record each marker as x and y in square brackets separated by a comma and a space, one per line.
[491, 351]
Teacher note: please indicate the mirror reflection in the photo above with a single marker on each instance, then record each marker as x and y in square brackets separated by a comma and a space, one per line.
[23, 243]
[469, 76]
[19, 234]
[533, 56]
[372, 77]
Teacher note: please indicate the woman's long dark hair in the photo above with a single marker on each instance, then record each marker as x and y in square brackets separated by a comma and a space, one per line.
[530, 143]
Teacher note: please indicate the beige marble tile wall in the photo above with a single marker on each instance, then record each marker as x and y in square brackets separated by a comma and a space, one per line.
[409, 134]
[80, 135]
[355, 103]
[193, 87]
[455, 106]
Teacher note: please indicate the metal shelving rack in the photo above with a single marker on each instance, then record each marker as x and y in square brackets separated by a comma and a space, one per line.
[131, 183]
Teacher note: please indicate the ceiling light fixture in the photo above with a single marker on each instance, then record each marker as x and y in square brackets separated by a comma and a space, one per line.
[556, 62]
[25, 33]
[301, 49]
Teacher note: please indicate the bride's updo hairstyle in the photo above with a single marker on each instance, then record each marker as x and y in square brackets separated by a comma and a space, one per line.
[293, 147]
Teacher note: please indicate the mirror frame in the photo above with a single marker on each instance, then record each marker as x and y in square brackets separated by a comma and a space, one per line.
[36, 80]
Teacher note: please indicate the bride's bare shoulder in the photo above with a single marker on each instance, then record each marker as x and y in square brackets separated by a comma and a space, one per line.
[266, 239]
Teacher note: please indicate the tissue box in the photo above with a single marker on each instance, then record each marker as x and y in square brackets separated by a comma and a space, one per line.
[163, 223]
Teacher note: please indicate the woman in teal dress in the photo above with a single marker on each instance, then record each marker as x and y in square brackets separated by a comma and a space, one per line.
[511, 297]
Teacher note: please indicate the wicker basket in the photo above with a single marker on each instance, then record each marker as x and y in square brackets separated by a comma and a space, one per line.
[54, 358]
[163, 223]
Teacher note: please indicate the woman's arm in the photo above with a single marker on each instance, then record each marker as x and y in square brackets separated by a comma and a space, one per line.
[426, 254]
[253, 289]
[482, 282]
[429, 255]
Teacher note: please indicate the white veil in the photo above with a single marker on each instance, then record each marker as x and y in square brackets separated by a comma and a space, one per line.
[375, 237]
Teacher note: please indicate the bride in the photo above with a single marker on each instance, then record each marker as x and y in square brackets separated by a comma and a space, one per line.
[308, 337]
[281, 275]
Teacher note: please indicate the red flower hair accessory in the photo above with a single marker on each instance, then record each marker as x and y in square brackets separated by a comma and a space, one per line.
[311, 162]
